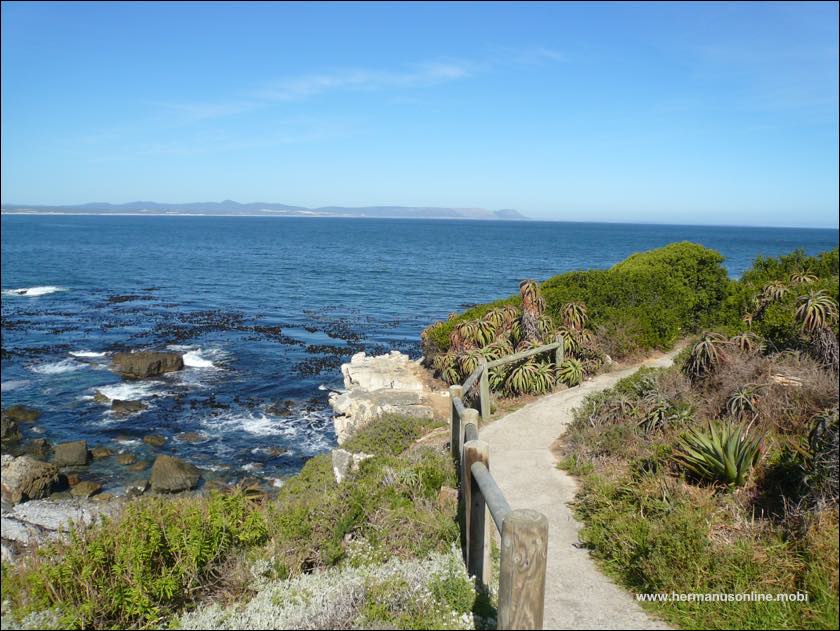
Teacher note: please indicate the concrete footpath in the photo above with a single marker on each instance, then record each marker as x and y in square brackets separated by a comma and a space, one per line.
[578, 595]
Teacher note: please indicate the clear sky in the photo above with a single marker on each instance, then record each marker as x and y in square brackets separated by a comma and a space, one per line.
[676, 113]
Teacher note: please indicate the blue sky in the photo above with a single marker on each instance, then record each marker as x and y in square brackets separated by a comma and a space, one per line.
[675, 113]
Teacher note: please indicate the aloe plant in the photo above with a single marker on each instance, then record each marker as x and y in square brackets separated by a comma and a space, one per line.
[815, 311]
[742, 402]
[774, 291]
[446, 365]
[802, 277]
[530, 377]
[570, 372]
[654, 411]
[725, 453]
[747, 342]
[533, 306]
[574, 315]
[469, 361]
[705, 356]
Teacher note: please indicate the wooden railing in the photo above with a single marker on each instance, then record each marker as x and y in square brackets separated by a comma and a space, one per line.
[524, 532]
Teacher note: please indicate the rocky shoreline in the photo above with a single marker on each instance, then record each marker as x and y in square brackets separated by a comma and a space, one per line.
[46, 490]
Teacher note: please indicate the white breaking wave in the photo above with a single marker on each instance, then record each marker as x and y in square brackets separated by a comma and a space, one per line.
[252, 466]
[259, 425]
[33, 291]
[130, 391]
[87, 354]
[193, 359]
[196, 357]
[57, 368]
[13, 385]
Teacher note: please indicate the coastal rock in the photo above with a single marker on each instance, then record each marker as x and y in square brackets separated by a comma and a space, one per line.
[35, 522]
[101, 398]
[191, 437]
[135, 489]
[124, 408]
[170, 475]
[384, 384]
[70, 454]
[38, 448]
[141, 365]
[126, 459]
[393, 371]
[344, 463]
[25, 478]
[97, 453]
[154, 440]
[21, 414]
[9, 432]
[86, 488]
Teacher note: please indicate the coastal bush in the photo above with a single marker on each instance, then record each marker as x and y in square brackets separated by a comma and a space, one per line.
[390, 502]
[164, 554]
[647, 301]
[433, 592]
[135, 571]
[655, 534]
[390, 435]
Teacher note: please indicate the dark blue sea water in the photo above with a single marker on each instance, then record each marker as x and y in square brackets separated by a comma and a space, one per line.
[267, 309]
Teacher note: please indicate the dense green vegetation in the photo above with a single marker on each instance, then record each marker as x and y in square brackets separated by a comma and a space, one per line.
[647, 301]
[720, 474]
[163, 554]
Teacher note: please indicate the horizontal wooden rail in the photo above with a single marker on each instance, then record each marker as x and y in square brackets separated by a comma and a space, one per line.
[524, 533]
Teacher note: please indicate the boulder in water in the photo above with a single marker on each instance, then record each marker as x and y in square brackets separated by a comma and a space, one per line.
[145, 364]
[71, 454]
[154, 440]
[123, 408]
[21, 414]
[171, 475]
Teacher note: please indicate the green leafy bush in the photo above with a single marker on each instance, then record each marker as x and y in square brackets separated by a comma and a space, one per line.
[138, 569]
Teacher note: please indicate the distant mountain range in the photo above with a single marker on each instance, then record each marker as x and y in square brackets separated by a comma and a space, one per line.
[230, 207]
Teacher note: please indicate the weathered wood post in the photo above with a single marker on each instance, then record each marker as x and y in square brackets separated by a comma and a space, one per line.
[475, 451]
[559, 353]
[470, 416]
[522, 570]
[484, 394]
[454, 423]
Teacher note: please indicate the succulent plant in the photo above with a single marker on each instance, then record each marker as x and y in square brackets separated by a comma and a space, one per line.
[725, 453]
[748, 342]
[706, 356]
[816, 310]
[574, 315]
[570, 372]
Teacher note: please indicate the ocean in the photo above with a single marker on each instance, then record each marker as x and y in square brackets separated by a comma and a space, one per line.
[266, 310]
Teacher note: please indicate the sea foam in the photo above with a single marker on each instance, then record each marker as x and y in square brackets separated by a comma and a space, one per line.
[57, 368]
[87, 354]
[33, 292]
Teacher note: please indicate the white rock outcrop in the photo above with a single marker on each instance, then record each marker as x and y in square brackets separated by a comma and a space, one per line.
[378, 385]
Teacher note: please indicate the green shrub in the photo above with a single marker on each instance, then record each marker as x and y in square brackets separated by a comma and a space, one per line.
[389, 435]
[647, 301]
[140, 568]
[656, 535]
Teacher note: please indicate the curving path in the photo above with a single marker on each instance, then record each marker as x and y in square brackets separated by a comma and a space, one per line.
[577, 594]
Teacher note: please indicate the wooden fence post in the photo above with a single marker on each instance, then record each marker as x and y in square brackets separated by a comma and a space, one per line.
[475, 451]
[470, 416]
[522, 570]
[484, 394]
[454, 423]
[559, 354]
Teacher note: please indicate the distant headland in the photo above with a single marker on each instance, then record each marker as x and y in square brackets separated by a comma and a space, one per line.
[232, 208]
